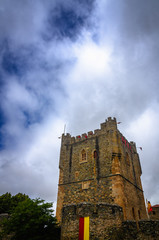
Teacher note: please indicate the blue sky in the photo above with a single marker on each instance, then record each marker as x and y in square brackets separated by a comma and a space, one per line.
[75, 63]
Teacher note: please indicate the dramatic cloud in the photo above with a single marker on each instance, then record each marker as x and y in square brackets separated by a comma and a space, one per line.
[75, 63]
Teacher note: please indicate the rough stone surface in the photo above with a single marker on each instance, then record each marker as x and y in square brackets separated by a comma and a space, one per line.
[154, 214]
[100, 167]
[101, 215]
[142, 230]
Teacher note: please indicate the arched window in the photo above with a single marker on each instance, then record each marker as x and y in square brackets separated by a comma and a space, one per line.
[83, 156]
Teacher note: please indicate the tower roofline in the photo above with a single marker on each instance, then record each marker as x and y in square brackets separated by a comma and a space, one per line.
[110, 124]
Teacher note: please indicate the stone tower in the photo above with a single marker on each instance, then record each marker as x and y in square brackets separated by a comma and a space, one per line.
[99, 177]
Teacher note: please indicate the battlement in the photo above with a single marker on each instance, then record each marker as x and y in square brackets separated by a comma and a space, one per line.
[110, 124]
[90, 209]
[131, 146]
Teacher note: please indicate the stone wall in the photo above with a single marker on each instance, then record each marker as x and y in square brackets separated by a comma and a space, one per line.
[154, 214]
[143, 230]
[106, 222]
[102, 217]
[112, 176]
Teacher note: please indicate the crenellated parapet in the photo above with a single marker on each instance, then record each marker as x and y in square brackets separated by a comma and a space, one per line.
[129, 146]
[110, 124]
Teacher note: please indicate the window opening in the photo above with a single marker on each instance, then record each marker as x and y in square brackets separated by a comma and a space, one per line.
[133, 212]
[95, 154]
[76, 174]
[83, 155]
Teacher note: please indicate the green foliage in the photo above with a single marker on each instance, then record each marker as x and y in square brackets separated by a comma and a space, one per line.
[31, 220]
[9, 202]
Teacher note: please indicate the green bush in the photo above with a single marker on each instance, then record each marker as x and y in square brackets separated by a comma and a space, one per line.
[30, 220]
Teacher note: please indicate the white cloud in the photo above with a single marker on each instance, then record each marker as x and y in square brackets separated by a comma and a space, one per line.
[33, 165]
[107, 70]
[145, 133]
[17, 94]
[93, 61]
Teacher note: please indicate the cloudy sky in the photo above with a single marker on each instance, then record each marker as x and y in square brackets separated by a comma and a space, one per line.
[75, 62]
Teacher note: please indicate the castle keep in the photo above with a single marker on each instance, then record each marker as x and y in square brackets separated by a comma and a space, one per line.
[100, 178]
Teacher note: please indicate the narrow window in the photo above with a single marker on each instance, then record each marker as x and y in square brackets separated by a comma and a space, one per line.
[113, 210]
[76, 174]
[83, 157]
[139, 214]
[133, 212]
[95, 154]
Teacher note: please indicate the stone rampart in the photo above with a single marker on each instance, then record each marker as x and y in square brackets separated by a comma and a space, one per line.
[102, 216]
[142, 230]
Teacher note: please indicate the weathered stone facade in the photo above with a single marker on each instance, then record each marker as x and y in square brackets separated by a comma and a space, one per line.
[146, 230]
[100, 168]
[102, 216]
[154, 214]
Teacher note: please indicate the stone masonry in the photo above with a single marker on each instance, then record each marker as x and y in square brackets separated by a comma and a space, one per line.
[102, 217]
[99, 167]
[154, 214]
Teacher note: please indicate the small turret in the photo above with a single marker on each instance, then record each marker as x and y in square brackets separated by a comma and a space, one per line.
[109, 124]
[66, 139]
